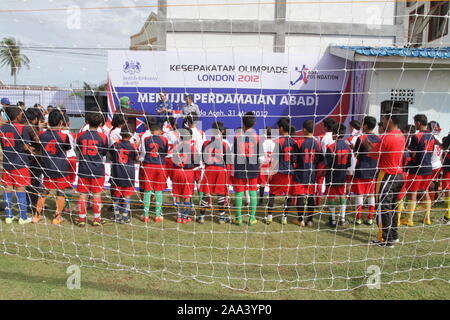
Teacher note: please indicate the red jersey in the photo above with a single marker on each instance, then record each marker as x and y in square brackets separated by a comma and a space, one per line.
[390, 150]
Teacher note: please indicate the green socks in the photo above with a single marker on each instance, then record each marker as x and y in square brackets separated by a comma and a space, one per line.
[158, 202]
[238, 202]
[147, 199]
[253, 204]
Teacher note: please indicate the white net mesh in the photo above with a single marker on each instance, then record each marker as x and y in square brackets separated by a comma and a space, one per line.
[300, 60]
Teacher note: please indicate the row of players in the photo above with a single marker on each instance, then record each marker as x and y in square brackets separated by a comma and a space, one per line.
[293, 167]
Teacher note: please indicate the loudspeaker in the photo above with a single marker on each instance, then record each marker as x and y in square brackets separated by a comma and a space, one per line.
[399, 108]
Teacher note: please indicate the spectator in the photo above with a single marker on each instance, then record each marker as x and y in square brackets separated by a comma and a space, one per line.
[5, 102]
[190, 106]
[21, 105]
[164, 108]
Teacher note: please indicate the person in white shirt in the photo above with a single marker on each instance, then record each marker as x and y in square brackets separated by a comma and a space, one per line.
[266, 161]
[436, 159]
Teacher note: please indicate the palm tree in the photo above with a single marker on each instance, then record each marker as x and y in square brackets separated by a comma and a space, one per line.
[10, 56]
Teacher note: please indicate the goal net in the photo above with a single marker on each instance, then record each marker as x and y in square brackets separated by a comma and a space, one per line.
[250, 123]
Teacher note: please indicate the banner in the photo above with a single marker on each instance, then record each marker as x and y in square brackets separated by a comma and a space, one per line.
[226, 85]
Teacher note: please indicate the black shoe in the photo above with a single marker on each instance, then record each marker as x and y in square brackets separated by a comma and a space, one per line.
[124, 221]
[382, 244]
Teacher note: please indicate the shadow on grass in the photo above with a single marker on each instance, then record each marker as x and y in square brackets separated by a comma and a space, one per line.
[114, 288]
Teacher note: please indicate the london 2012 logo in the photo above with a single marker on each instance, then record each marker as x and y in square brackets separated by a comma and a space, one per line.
[303, 76]
[132, 67]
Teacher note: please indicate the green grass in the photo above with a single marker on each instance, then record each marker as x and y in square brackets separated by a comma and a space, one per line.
[212, 261]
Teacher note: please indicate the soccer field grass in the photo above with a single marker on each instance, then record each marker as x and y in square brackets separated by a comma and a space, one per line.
[193, 261]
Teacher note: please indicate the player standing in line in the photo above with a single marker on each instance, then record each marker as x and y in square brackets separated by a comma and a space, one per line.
[282, 183]
[446, 176]
[355, 133]
[149, 120]
[198, 138]
[436, 160]
[390, 151]
[185, 159]
[93, 147]
[420, 174]
[308, 156]
[266, 161]
[337, 160]
[155, 177]
[325, 140]
[35, 121]
[246, 153]
[365, 171]
[71, 156]
[123, 157]
[172, 136]
[55, 145]
[15, 142]
[215, 154]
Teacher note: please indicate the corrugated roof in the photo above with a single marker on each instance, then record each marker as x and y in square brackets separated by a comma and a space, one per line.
[438, 53]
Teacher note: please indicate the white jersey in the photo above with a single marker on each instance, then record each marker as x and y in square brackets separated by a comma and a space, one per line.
[436, 161]
[141, 144]
[351, 141]
[199, 137]
[268, 147]
[172, 139]
[326, 140]
[114, 136]
[73, 144]
[105, 130]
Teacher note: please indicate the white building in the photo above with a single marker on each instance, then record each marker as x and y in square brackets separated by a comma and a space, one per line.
[316, 28]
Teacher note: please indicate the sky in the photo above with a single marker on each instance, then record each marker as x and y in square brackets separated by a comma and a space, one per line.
[68, 47]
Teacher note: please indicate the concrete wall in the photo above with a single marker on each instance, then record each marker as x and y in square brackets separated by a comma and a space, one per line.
[432, 94]
[224, 9]
[220, 42]
[362, 11]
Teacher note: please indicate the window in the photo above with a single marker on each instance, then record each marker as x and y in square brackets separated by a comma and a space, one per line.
[438, 26]
[410, 3]
[416, 26]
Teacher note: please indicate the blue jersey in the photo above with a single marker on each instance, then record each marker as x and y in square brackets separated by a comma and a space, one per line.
[337, 159]
[366, 166]
[54, 148]
[308, 156]
[246, 151]
[156, 149]
[14, 136]
[92, 147]
[123, 157]
[284, 153]
[422, 147]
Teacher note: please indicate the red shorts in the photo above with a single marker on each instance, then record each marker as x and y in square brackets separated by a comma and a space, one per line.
[57, 183]
[241, 185]
[415, 183]
[403, 191]
[281, 184]
[183, 183]
[16, 178]
[198, 175]
[363, 186]
[155, 177]
[141, 178]
[435, 174]
[123, 192]
[446, 181]
[94, 185]
[169, 167]
[349, 179]
[299, 189]
[336, 190]
[263, 179]
[214, 181]
[72, 169]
